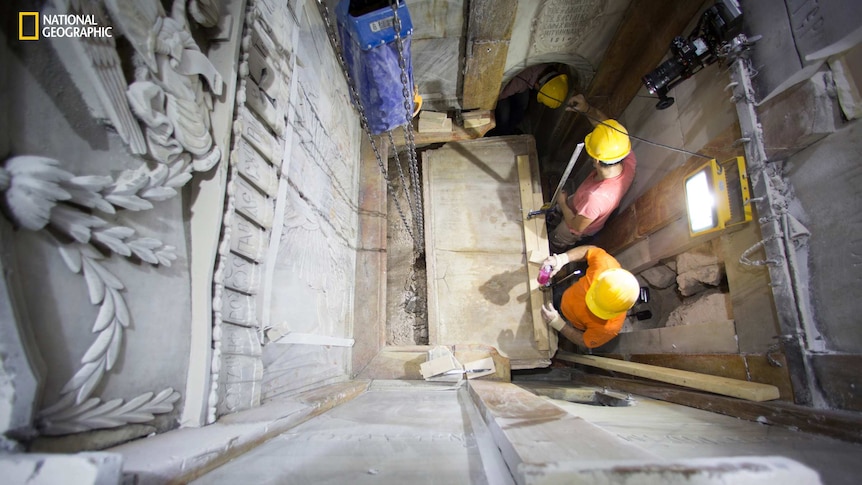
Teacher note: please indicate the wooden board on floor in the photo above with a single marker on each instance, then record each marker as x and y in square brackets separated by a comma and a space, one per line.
[478, 281]
[535, 245]
[751, 391]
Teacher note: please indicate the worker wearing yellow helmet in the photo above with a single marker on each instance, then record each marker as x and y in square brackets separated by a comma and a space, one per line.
[595, 306]
[588, 208]
[551, 89]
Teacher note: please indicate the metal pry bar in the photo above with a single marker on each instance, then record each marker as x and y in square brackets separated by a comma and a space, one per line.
[550, 205]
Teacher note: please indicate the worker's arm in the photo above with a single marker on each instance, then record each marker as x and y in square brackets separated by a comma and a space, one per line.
[557, 261]
[579, 104]
[577, 223]
[552, 316]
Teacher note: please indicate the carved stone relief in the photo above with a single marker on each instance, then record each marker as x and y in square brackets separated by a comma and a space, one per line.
[79, 214]
[253, 180]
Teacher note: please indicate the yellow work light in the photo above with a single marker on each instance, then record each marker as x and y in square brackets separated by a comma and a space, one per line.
[716, 196]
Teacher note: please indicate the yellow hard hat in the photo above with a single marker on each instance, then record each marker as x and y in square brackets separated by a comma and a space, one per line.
[553, 89]
[613, 292]
[609, 142]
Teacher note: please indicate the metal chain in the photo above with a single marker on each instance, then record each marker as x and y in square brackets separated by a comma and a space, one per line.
[401, 174]
[409, 139]
[330, 31]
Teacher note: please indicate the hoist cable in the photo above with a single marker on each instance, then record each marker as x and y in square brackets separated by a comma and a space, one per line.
[418, 209]
[333, 40]
[404, 184]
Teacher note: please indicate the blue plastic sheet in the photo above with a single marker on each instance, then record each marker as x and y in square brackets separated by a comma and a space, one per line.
[371, 54]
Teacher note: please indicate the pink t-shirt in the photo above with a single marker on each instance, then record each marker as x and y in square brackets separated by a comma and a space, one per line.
[596, 199]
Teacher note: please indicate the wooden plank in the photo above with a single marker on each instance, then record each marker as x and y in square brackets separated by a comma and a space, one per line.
[534, 248]
[751, 391]
[755, 367]
[650, 25]
[489, 29]
[483, 73]
[458, 133]
[430, 249]
[835, 424]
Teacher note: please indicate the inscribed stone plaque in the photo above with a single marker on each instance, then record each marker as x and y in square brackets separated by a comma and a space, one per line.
[560, 24]
[240, 368]
[239, 340]
[277, 21]
[238, 308]
[252, 204]
[247, 239]
[266, 73]
[264, 106]
[241, 274]
[238, 396]
[258, 135]
[255, 169]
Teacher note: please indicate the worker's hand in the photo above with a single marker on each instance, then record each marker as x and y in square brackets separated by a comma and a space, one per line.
[552, 317]
[578, 103]
[562, 198]
[556, 262]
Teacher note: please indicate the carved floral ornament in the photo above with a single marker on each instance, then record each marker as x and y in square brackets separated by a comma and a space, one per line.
[170, 129]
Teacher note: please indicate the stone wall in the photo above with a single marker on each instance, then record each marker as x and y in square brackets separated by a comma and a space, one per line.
[168, 198]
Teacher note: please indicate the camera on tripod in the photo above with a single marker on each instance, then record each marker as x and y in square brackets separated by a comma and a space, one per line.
[717, 36]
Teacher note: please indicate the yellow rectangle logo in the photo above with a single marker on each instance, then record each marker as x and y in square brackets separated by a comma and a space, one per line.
[27, 34]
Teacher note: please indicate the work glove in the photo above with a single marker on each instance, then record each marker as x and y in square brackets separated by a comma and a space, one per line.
[556, 262]
[552, 316]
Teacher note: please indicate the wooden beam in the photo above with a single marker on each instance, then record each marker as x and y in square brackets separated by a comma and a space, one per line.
[489, 29]
[535, 247]
[650, 25]
[835, 424]
[751, 391]
[757, 367]
[458, 133]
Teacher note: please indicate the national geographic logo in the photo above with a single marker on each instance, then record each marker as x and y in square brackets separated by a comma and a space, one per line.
[60, 26]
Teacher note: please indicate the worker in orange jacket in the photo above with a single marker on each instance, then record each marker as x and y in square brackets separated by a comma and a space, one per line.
[595, 306]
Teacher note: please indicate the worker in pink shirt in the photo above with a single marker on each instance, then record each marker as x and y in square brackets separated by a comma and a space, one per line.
[585, 212]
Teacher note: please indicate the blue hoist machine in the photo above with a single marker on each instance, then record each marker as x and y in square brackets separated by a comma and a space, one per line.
[373, 48]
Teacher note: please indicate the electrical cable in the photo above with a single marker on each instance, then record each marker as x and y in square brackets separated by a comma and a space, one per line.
[650, 142]
[662, 145]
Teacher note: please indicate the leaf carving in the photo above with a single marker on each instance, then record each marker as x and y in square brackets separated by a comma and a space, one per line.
[72, 257]
[107, 277]
[106, 313]
[131, 202]
[100, 346]
[80, 377]
[120, 309]
[113, 352]
[95, 285]
[91, 382]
